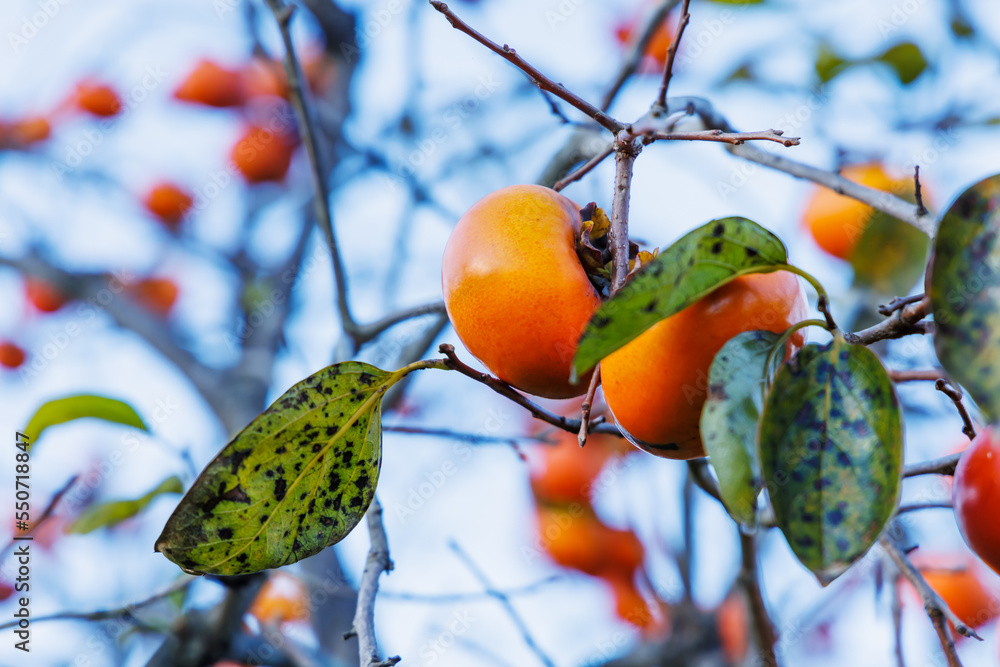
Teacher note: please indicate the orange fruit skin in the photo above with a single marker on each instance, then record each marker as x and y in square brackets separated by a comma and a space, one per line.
[11, 356]
[732, 623]
[566, 472]
[515, 290]
[157, 294]
[282, 598]
[169, 203]
[264, 77]
[212, 85]
[976, 496]
[262, 155]
[655, 386]
[30, 130]
[955, 579]
[98, 99]
[836, 221]
[44, 296]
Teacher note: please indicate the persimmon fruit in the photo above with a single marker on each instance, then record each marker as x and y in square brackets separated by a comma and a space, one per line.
[29, 130]
[283, 598]
[168, 202]
[836, 221]
[655, 386]
[955, 578]
[157, 294]
[98, 99]
[11, 355]
[732, 622]
[211, 84]
[976, 496]
[262, 155]
[44, 296]
[565, 472]
[515, 289]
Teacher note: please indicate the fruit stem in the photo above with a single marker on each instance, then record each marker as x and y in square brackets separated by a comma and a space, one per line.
[823, 302]
[780, 345]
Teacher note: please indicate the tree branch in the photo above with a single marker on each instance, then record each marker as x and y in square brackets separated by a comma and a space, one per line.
[760, 621]
[902, 322]
[364, 618]
[638, 51]
[734, 138]
[943, 466]
[668, 69]
[536, 76]
[955, 394]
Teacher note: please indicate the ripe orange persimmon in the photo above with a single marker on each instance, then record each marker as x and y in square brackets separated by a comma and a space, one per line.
[655, 54]
[630, 605]
[262, 155]
[976, 496]
[11, 356]
[955, 578]
[98, 99]
[282, 599]
[169, 203]
[43, 296]
[836, 221]
[211, 84]
[28, 131]
[157, 294]
[732, 624]
[515, 289]
[573, 539]
[565, 473]
[263, 76]
[656, 385]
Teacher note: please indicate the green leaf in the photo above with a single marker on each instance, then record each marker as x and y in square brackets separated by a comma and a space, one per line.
[696, 264]
[965, 293]
[829, 64]
[114, 512]
[80, 406]
[293, 482]
[831, 445]
[890, 256]
[906, 59]
[730, 416]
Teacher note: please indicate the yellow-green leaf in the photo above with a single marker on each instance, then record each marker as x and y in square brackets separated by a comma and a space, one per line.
[965, 293]
[114, 512]
[293, 482]
[66, 409]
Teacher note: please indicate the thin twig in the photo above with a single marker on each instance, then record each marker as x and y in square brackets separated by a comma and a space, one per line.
[877, 199]
[504, 601]
[307, 128]
[588, 402]
[466, 437]
[582, 171]
[364, 615]
[930, 505]
[898, 302]
[366, 332]
[903, 322]
[105, 614]
[930, 375]
[955, 394]
[46, 513]
[536, 76]
[702, 476]
[897, 618]
[668, 69]
[505, 390]
[446, 598]
[921, 209]
[735, 138]
[638, 51]
[942, 466]
[760, 621]
[936, 608]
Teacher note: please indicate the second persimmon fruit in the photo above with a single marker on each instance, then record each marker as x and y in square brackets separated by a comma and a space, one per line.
[656, 385]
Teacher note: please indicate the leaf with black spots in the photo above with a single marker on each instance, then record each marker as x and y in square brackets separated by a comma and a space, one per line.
[114, 512]
[81, 406]
[831, 446]
[696, 264]
[297, 479]
[730, 416]
[965, 293]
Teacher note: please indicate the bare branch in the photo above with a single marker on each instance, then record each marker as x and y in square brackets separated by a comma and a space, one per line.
[918, 194]
[582, 171]
[505, 602]
[377, 563]
[930, 505]
[585, 407]
[955, 394]
[877, 199]
[638, 50]
[902, 322]
[668, 69]
[942, 466]
[899, 302]
[536, 76]
[760, 621]
[734, 138]
[448, 598]
[626, 150]
[505, 390]
[465, 437]
[931, 374]
[702, 476]
[367, 332]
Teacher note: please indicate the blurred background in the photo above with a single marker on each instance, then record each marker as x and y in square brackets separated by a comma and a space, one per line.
[158, 245]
